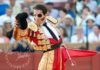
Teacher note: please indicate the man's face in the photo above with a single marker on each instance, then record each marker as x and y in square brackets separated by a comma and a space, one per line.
[96, 30]
[38, 15]
[9, 12]
[67, 21]
[62, 14]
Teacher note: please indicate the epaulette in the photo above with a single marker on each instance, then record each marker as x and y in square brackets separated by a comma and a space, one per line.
[32, 26]
[52, 20]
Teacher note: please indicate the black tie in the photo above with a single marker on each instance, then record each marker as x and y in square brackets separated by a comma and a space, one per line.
[51, 32]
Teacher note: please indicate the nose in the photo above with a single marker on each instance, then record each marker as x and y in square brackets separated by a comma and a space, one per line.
[35, 17]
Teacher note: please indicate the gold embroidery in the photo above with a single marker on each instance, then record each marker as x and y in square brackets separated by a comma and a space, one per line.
[34, 35]
[43, 42]
[38, 36]
[46, 61]
[49, 46]
[39, 42]
[44, 47]
[47, 42]
[42, 36]
[32, 26]
[52, 20]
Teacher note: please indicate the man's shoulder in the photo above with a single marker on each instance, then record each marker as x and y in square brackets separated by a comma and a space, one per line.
[32, 26]
[52, 20]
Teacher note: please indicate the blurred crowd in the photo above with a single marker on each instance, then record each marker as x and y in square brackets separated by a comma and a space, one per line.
[78, 20]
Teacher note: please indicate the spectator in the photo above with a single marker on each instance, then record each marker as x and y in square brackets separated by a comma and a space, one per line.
[92, 4]
[68, 25]
[28, 3]
[80, 18]
[63, 34]
[51, 11]
[7, 16]
[98, 16]
[62, 14]
[3, 7]
[95, 35]
[79, 36]
[98, 48]
[3, 39]
[30, 17]
[89, 23]
[8, 29]
[69, 9]
[16, 7]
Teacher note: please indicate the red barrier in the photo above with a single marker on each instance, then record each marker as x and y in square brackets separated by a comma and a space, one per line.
[85, 63]
[29, 61]
[19, 61]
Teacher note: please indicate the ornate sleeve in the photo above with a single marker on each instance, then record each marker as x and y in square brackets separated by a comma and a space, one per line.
[15, 32]
[20, 34]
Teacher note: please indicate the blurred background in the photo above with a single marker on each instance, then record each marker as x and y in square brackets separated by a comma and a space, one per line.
[78, 22]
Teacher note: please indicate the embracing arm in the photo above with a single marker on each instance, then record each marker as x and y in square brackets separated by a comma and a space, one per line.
[19, 34]
[15, 32]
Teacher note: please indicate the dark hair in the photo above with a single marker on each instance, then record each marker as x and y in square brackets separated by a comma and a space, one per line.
[98, 26]
[65, 34]
[49, 3]
[86, 7]
[41, 7]
[89, 19]
[64, 10]
[21, 17]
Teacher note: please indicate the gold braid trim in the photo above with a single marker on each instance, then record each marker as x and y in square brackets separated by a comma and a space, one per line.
[32, 26]
[52, 20]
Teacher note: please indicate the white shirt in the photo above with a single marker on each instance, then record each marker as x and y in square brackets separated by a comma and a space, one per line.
[98, 19]
[47, 33]
[74, 39]
[2, 40]
[4, 18]
[93, 38]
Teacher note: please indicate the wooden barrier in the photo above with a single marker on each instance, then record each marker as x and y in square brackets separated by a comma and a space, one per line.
[92, 46]
[19, 61]
[29, 61]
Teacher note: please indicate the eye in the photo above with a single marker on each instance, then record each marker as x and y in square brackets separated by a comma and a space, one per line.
[39, 15]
